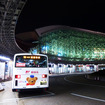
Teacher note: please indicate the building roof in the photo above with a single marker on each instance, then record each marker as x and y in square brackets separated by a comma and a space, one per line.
[41, 31]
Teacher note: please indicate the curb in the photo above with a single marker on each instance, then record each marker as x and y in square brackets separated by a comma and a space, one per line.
[85, 73]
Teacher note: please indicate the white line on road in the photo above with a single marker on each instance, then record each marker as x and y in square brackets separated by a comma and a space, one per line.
[50, 93]
[83, 83]
[96, 99]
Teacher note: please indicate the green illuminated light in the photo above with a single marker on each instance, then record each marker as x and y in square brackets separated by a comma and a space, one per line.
[73, 44]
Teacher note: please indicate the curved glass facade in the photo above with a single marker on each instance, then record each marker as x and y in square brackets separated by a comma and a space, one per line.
[72, 45]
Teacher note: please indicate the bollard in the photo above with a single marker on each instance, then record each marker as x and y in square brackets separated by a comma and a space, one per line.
[95, 78]
[1, 87]
[98, 78]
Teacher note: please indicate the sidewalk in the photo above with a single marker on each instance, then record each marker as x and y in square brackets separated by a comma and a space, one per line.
[2, 81]
[7, 96]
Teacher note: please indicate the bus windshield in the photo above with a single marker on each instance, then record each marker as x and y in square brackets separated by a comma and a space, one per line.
[31, 61]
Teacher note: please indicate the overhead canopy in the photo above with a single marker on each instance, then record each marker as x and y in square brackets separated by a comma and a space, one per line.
[9, 13]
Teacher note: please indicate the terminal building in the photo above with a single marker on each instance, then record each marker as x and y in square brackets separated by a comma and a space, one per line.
[67, 44]
[67, 47]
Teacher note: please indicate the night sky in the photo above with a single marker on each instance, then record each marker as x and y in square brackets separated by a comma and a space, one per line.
[74, 13]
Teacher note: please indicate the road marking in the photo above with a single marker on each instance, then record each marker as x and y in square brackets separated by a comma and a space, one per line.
[50, 93]
[91, 98]
[83, 83]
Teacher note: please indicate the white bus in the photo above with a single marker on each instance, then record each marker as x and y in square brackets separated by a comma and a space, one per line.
[30, 72]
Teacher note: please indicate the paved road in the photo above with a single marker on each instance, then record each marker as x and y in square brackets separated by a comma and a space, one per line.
[64, 90]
